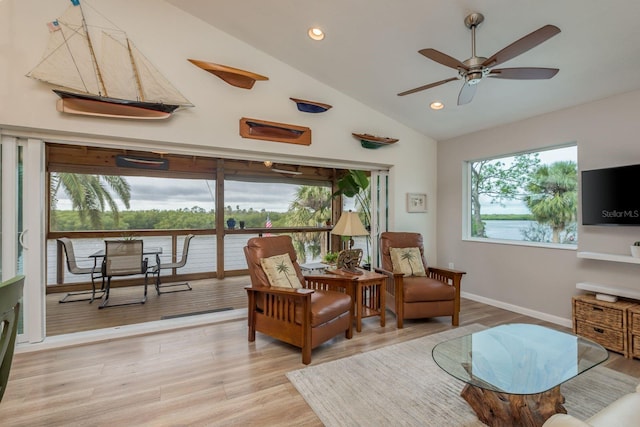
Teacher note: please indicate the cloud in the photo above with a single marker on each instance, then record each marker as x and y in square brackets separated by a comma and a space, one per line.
[170, 194]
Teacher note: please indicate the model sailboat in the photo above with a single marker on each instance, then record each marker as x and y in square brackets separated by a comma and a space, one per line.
[115, 80]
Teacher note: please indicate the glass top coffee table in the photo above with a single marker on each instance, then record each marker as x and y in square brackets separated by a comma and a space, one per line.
[513, 372]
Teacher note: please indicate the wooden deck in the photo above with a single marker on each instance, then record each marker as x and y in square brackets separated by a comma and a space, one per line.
[207, 295]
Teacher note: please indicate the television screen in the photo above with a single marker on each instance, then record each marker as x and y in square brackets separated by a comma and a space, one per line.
[610, 196]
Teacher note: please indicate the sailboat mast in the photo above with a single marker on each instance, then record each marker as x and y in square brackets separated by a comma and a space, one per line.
[93, 53]
[136, 74]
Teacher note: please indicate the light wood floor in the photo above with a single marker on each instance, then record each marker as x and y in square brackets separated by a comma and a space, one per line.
[200, 376]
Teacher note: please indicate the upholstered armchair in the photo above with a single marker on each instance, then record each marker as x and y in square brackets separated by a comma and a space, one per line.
[623, 412]
[415, 290]
[304, 311]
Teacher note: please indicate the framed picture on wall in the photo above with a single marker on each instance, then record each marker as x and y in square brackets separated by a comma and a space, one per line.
[416, 202]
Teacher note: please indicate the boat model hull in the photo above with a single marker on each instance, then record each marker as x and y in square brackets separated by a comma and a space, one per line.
[101, 106]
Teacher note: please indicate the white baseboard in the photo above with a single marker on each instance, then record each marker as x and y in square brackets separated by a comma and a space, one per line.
[520, 310]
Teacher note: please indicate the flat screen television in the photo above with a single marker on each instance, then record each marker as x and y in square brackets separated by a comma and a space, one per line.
[611, 196]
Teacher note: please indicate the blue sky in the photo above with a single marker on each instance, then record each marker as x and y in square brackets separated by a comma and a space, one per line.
[516, 206]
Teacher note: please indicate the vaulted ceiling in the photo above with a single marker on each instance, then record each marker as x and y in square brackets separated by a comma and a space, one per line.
[370, 52]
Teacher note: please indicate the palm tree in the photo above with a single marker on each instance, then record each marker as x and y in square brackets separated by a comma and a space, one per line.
[283, 268]
[89, 195]
[311, 206]
[553, 196]
[408, 256]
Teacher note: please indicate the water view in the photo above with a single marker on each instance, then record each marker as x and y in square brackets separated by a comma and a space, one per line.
[509, 230]
[202, 254]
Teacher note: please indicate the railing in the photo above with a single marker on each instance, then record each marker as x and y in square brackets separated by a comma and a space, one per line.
[211, 255]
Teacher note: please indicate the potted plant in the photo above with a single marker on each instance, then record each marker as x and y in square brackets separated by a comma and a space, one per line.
[330, 258]
[635, 249]
[231, 223]
[356, 184]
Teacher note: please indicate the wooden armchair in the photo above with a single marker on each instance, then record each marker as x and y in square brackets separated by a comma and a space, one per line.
[436, 293]
[11, 292]
[304, 317]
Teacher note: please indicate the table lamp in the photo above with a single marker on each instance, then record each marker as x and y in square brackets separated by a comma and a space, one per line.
[349, 225]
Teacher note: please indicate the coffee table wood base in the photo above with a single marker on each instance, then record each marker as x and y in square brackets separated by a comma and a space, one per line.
[503, 409]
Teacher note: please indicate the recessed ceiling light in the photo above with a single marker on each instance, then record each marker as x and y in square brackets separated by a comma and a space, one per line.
[316, 33]
[436, 105]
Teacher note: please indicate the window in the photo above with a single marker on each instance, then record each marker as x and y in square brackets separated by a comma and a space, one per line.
[84, 202]
[273, 203]
[526, 197]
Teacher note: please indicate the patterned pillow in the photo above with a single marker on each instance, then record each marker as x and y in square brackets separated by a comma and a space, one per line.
[280, 271]
[407, 261]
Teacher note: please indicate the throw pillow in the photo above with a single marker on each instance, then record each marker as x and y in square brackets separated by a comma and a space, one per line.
[280, 271]
[407, 261]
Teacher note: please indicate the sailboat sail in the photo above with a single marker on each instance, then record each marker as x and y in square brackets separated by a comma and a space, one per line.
[111, 78]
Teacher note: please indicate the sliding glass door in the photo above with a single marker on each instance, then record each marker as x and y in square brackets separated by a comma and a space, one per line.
[379, 187]
[21, 230]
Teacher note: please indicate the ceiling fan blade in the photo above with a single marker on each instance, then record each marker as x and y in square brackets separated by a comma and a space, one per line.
[527, 42]
[524, 73]
[443, 59]
[466, 93]
[429, 86]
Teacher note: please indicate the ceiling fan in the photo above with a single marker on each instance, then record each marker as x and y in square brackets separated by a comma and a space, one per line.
[476, 68]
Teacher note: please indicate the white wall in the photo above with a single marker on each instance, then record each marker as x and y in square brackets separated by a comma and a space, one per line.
[531, 279]
[167, 36]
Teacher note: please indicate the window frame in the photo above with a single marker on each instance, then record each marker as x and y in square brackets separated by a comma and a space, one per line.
[467, 218]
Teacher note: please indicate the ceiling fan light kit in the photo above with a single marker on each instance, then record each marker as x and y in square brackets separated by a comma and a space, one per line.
[475, 69]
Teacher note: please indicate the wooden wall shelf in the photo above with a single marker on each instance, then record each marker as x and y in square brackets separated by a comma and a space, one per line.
[609, 257]
[619, 291]
[272, 131]
[234, 76]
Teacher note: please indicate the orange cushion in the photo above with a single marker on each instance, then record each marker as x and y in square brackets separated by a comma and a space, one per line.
[325, 306]
[417, 289]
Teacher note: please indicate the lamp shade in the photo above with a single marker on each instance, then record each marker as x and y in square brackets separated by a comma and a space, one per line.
[349, 224]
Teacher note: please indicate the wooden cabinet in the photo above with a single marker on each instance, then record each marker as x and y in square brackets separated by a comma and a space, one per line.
[634, 331]
[604, 322]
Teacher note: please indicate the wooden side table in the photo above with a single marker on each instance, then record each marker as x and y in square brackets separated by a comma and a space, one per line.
[368, 295]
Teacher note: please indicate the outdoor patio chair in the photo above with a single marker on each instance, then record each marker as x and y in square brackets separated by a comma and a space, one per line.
[73, 268]
[304, 311]
[123, 258]
[415, 290]
[156, 269]
[10, 296]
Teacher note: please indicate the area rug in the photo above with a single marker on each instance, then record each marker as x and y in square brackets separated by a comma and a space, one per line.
[401, 385]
